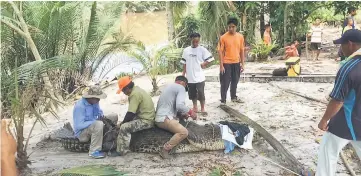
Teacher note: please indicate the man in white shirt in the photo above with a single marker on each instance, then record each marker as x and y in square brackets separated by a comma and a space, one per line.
[194, 59]
[316, 38]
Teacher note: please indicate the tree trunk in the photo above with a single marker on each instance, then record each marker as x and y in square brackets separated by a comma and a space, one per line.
[155, 86]
[244, 20]
[170, 20]
[27, 36]
[291, 160]
[285, 15]
[171, 30]
[261, 20]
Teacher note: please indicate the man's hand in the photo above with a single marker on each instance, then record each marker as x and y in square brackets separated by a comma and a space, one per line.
[323, 125]
[192, 114]
[204, 65]
[242, 67]
[221, 69]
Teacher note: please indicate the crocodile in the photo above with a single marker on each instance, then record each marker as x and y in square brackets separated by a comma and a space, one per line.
[200, 138]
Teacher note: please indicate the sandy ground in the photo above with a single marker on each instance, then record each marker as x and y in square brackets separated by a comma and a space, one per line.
[291, 119]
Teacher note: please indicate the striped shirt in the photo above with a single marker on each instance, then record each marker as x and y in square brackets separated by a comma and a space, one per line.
[347, 122]
[316, 34]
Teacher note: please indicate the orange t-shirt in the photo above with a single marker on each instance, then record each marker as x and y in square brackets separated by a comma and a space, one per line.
[231, 45]
[267, 38]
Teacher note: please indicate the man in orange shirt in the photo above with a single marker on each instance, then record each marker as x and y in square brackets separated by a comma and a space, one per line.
[267, 35]
[231, 57]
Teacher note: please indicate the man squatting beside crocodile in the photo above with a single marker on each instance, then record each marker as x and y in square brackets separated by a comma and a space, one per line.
[87, 117]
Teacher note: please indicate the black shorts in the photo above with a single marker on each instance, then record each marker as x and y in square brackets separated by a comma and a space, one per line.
[316, 46]
[196, 91]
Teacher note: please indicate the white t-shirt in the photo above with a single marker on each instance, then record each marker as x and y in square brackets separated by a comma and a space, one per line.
[193, 58]
[316, 36]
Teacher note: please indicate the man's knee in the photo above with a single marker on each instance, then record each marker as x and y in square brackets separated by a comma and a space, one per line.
[183, 133]
[97, 126]
[113, 117]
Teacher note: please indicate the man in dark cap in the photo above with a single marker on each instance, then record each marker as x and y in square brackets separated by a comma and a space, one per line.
[342, 119]
[170, 103]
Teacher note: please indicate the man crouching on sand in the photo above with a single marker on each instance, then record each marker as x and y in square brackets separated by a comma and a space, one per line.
[87, 117]
[171, 101]
[140, 115]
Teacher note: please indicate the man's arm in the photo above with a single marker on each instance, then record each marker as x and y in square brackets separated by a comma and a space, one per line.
[180, 102]
[207, 58]
[134, 101]
[79, 119]
[8, 150]
[241, 52]
[220, 49]
[184, 70]
[332, 108]
[338, 94]
[184, 62]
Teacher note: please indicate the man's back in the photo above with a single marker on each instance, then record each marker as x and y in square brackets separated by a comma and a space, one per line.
[143, 102]
[347, 88]
[170, 101]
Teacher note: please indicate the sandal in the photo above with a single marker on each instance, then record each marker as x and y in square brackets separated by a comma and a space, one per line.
[204, 114]
[236, 100]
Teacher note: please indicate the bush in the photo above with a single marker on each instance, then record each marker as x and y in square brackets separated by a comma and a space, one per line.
[261, 51]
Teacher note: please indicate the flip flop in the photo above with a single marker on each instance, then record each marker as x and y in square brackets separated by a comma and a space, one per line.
[204, 114]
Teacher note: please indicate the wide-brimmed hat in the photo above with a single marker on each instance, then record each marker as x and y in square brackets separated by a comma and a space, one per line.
[95, 92]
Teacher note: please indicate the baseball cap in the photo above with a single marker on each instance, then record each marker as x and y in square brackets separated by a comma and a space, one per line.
[352, 35]
[123, 82]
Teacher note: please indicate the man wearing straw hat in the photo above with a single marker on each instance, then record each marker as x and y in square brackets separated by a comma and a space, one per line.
[87, 117]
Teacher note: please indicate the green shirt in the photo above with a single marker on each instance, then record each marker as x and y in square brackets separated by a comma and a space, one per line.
[141, 104]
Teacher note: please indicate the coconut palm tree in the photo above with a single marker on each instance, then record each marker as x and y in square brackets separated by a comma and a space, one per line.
[213, 15]
[154, 61]
[47, 47]
[85, 31]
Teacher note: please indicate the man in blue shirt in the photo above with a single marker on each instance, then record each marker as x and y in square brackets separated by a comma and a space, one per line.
[344, 110]
[87, 117]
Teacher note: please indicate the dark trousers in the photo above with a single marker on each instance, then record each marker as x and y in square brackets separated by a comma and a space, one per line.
[230, 76]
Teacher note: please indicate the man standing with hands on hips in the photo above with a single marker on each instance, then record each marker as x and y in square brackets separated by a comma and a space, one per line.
[231, 57]
[344, 110]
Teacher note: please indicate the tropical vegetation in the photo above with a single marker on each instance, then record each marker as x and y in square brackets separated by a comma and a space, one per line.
[51, 50]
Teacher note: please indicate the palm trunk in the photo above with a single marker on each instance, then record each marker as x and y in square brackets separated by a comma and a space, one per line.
[285, 15]
[261, 21]
[26, 34]
[155, 86]
[244, 19]
[170, 23]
